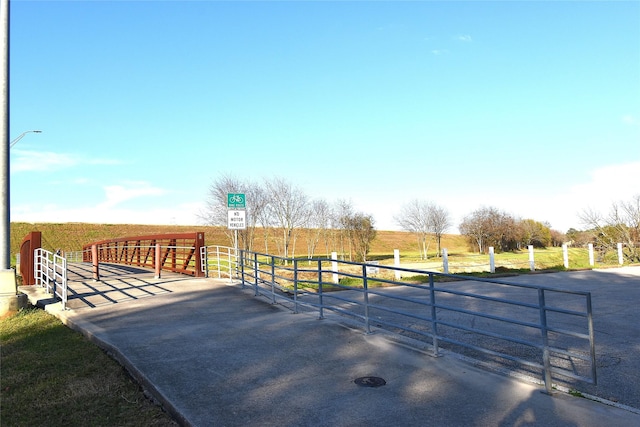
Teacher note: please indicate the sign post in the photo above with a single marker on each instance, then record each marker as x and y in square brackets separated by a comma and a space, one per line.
[236, 214]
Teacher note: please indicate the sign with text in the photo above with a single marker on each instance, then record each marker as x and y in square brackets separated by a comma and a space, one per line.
[236, 201]
[237, 220]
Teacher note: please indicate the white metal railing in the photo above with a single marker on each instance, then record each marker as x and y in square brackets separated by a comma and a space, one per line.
[219, 260]
[74, 256]
[50, 272]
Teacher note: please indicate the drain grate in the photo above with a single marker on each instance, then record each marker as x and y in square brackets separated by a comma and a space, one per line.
[370, 381]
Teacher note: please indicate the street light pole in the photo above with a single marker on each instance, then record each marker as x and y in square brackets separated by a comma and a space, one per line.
[10, 300]
[5, 242]
[15, 141]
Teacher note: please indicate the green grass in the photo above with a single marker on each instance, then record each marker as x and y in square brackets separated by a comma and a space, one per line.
[54, 376]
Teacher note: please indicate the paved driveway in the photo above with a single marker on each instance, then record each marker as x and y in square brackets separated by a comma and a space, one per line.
[616, 315]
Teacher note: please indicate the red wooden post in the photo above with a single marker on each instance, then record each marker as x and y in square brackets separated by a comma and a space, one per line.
[94, 259]
[158, 263]
[30, 243]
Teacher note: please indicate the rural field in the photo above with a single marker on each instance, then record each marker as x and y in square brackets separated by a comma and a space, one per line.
[461, 259]
[72, 236]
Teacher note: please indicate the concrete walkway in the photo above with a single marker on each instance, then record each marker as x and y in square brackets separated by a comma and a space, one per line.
[215, 355]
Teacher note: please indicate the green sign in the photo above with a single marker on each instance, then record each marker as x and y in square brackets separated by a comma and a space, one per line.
[236, 200]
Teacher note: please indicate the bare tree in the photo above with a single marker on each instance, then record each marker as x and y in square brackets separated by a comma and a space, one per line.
[414, 218]
[440, 222]
[342, 212]
[426, 220]
[216, 207]
[317, 225]
[289, 209]
[621, 225]
[557, 237]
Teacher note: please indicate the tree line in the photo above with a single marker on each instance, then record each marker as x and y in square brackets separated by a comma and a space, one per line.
[621, 224]
[283, 210]
[490, 227]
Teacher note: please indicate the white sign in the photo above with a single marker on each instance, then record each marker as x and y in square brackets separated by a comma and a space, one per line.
[237, 220]
[371, 267]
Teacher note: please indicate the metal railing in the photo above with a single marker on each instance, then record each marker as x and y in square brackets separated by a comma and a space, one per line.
[50, 272]
[543, 329]
[219, 260]
[180, 252]
[76, 256]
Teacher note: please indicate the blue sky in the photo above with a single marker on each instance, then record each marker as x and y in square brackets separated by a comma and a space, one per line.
[530, 107]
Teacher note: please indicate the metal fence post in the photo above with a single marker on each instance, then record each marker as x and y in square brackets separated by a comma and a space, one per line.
[36, 267]
[592, 340]
[546, 359]
[64, 296]
[205, 259]
[365, 286]
[320, 302]
[255, 274]
[295, 286]
[492, 260]
[434, 316]
[240, 260]
[273, 279]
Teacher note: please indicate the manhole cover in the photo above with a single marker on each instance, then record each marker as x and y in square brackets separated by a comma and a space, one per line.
[370, 381]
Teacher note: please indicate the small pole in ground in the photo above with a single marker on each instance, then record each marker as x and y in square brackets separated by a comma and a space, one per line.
[96, 266]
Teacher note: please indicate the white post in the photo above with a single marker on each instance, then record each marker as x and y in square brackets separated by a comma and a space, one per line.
[532, 265]
[620, 255]
[591, 261]
[396, 262]
[334, 266]
[565, 255]
[445, 261]
[492, 260]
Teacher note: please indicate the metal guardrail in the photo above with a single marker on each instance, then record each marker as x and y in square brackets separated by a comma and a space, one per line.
[76, 256]
[179, 252]
[50, 272]
[545, 329]
[219, 260]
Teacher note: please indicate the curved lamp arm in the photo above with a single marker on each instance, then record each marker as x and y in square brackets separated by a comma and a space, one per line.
[15, 141]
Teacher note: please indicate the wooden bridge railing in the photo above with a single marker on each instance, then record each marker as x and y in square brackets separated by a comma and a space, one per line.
[179, 253]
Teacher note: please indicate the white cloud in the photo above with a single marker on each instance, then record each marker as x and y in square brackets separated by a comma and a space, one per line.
[111, 210]
[47, 161]
[609, 184]
[464, 38]
[560, 205]
[116, 194]
[629, 119]
[41, 161]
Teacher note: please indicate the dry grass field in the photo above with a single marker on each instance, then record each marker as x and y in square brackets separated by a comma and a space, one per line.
[72, 236]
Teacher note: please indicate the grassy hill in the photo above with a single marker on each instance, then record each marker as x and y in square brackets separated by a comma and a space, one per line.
[72, 236]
